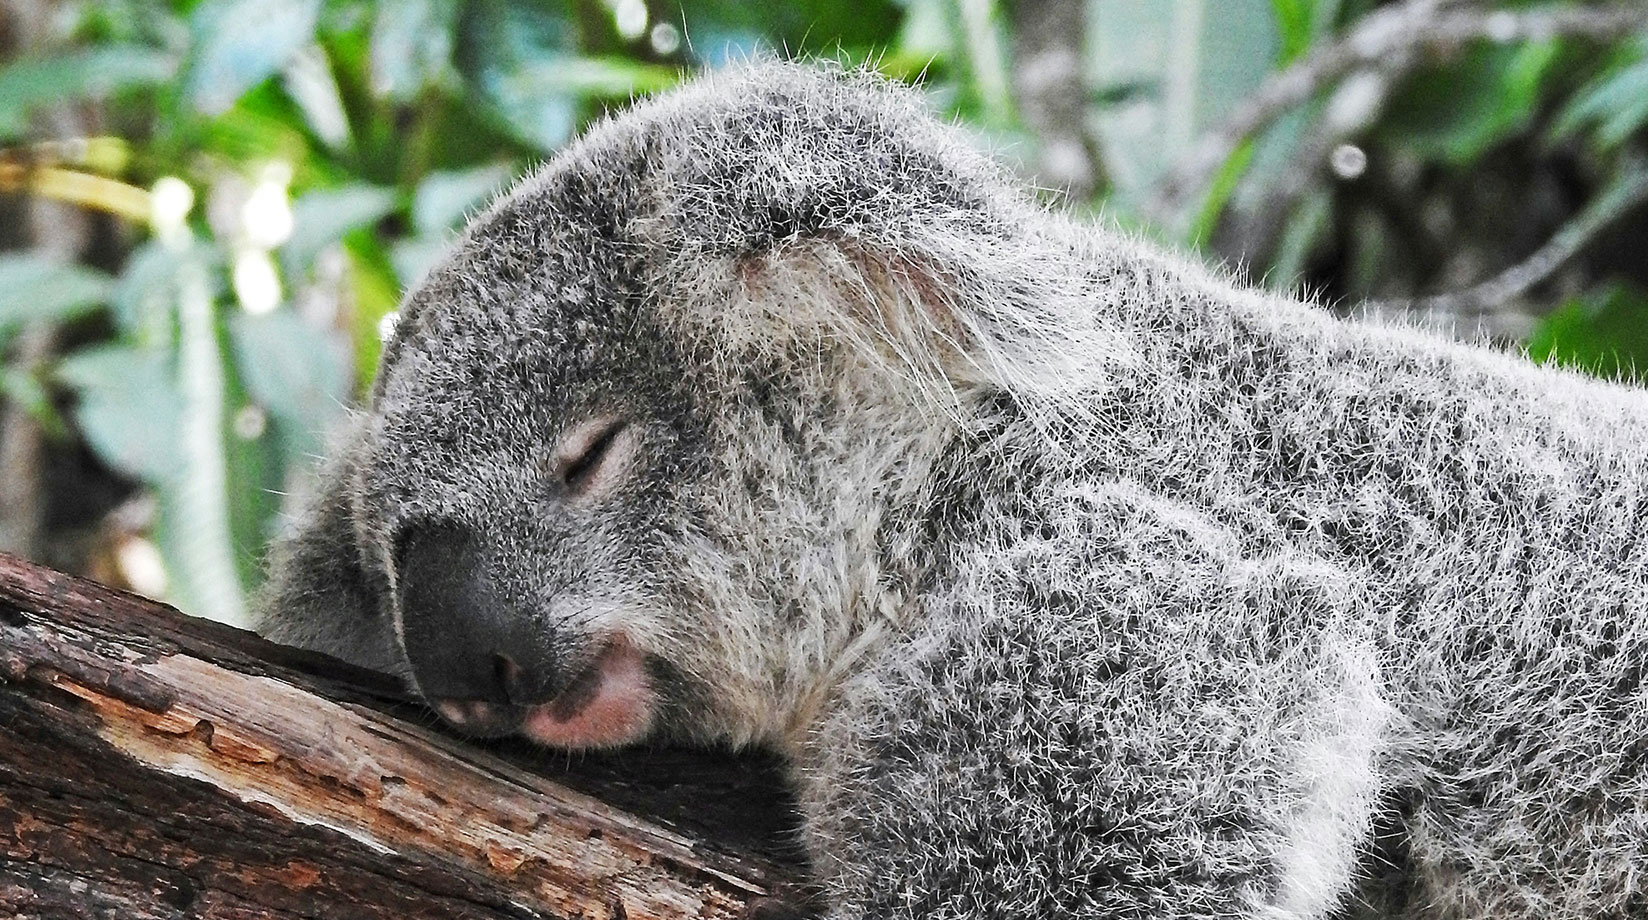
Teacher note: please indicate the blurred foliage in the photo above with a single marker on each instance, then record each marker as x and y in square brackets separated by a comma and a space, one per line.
[266, 176]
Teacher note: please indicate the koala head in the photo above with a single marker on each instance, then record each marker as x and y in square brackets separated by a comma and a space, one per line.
[647, 449]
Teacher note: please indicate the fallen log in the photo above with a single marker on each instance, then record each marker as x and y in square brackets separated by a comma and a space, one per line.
[153, 765]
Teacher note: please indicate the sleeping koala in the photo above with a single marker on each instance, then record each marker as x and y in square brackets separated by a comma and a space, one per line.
[1071, 579]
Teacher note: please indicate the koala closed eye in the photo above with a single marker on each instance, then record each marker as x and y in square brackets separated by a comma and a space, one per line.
[590, 457]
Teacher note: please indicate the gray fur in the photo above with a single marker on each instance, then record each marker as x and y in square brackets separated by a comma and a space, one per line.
[1073, 580]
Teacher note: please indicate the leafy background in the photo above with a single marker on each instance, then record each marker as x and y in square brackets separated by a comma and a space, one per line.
[209, 208]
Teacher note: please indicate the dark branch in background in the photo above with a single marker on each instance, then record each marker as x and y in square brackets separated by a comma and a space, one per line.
[1627, 191]
[1051, 93]
[1384, 40]
[62, 232]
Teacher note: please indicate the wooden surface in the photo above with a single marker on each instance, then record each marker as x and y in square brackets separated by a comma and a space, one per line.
[158, 766]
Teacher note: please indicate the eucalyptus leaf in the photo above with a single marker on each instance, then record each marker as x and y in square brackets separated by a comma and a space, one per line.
[411, 45]
[413, 258]
[240, 43]
[92, 72]
[573, 75]
[444, 199]
[802, 27]
[309, 80]
[1458, 112]
[128, 407]
[1616, 103]
[497, 40]
[926, 31]
[143, 297]
[1196, 59]
[37, 288]
[291, 368]
[1293, 26]
[321, 218]
[1601, 331]
[24, 387]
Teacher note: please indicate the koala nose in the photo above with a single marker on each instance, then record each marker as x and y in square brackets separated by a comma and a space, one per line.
[466, 641]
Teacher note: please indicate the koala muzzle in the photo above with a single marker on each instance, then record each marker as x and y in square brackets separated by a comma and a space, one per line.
[477, 656]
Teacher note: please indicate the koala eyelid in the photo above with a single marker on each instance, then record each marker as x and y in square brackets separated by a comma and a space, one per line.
[584, 451]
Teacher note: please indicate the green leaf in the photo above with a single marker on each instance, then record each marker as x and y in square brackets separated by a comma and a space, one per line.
[321, 218]
[34, 288]
[609, 77]
[1224, 184]
[926, 32]
[291, 368]
[24, 387]
[309, 81]
[1456, 113]
[413, 258]
[376, 296]
[801, 27]
[260, 126]
[444, 199]
[144, 296]
[497, 41]
[240, 43]
[94, 72]
[1300, 24]
[1304, 228]
[128, 407]
[1199, 59]
[411, 45]
[1293, 26]
[1604, 331]
[1616, 104]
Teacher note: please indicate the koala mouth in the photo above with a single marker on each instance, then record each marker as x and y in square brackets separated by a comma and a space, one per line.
[609, 703]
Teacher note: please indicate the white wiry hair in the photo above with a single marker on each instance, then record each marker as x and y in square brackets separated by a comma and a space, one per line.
[1073, 579]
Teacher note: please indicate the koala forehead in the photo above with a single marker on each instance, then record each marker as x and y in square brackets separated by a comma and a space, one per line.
[535, 323]
[544, 284]
[611, 279]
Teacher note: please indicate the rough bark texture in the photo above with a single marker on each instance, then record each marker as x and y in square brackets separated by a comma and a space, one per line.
[157, 766]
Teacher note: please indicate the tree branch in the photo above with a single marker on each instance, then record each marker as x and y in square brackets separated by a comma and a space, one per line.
[157, 766]
[1052, 93]
[1384, 39]
[1628, 190]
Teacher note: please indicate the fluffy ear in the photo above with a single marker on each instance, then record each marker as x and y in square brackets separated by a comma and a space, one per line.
[789, 205]
[943, 314]
[320, 595]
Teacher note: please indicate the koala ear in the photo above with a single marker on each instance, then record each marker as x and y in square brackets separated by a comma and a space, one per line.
[829, 206]
[942, 313]
[320, 594]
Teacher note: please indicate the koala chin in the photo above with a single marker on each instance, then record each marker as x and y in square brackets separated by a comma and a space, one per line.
[1071, 579]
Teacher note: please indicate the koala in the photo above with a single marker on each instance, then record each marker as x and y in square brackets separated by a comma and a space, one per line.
[1071, 579]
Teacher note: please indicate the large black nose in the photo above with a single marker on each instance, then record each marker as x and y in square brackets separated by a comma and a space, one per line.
[465, 639]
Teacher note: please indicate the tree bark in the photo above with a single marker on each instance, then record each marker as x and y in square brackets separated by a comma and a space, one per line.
[158, 766]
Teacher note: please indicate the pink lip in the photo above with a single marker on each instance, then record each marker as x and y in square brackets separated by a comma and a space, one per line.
[610, 704]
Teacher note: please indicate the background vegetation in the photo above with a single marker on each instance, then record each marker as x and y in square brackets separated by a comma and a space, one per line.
[209, 208]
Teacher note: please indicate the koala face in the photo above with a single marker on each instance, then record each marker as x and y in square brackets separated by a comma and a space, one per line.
[529, 458]
[637, 451]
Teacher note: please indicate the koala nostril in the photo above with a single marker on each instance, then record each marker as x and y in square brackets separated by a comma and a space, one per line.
[462, 712]
[508, 675]
[451, 710]
[474, 716]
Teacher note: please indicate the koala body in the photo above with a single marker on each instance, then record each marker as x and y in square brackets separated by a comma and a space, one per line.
[1072, 579]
